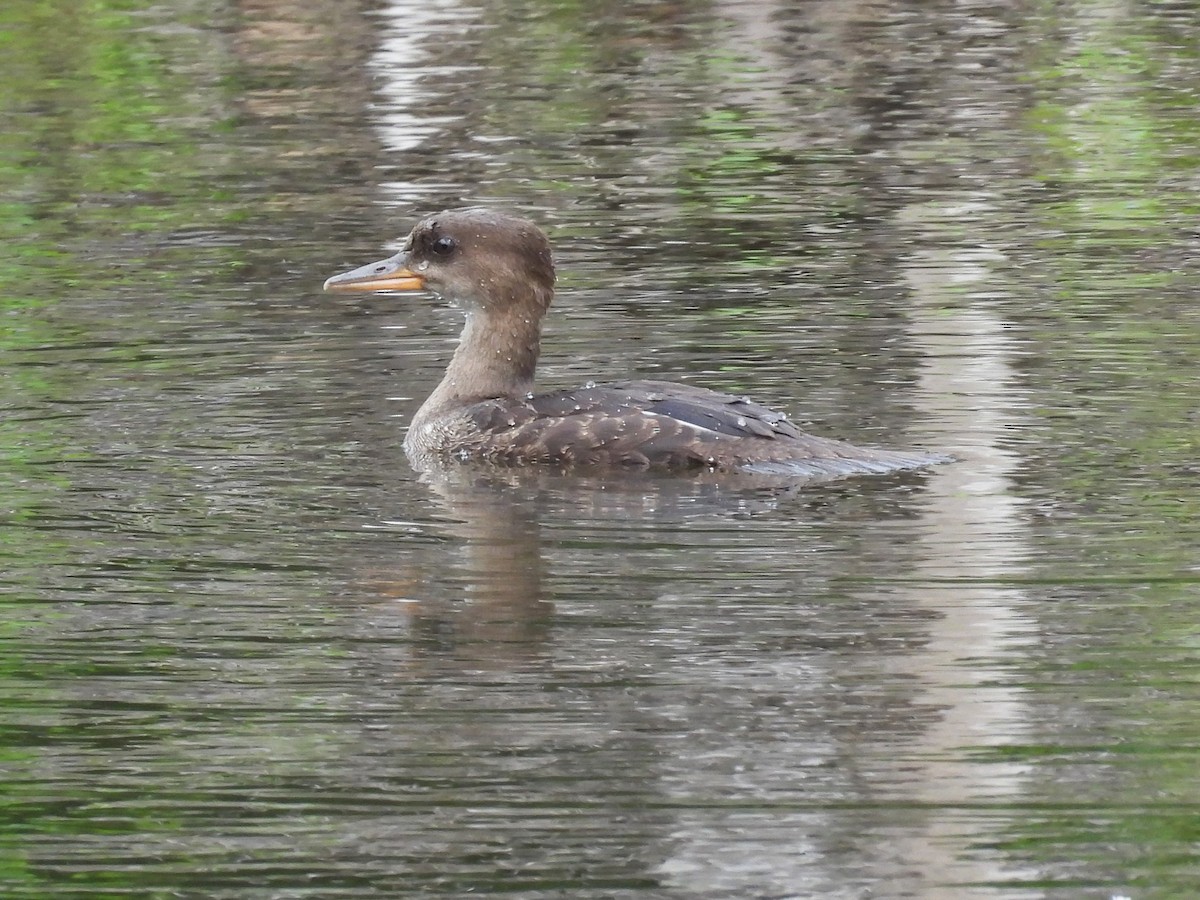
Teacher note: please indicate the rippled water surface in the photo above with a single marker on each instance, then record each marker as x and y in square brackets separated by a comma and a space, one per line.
[248, 653]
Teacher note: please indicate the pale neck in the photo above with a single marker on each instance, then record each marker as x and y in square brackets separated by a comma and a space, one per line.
[496, 357]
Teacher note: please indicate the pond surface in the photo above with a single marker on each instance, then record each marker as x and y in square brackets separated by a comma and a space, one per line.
[248, 653]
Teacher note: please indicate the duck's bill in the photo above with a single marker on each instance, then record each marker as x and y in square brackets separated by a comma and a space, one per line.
[386, 275]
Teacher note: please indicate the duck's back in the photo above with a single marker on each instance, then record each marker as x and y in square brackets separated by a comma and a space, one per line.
[649, 425]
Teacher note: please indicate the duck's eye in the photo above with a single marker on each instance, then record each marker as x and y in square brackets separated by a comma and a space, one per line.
[443, 246]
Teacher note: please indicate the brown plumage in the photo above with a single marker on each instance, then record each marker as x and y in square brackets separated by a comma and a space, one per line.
[500, 270]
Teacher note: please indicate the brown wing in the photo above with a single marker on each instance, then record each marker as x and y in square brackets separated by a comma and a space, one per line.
[650, 424]
[593, 426]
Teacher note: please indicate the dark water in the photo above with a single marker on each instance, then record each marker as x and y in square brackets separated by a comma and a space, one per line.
[247, 653]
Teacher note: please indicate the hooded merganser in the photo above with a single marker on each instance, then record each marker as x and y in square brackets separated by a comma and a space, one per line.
[499, 269]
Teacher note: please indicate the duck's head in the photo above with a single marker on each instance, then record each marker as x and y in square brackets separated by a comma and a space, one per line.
[479, 258]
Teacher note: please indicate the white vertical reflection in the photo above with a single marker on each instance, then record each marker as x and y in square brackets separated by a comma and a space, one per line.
[409, 110]
[971, 543]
